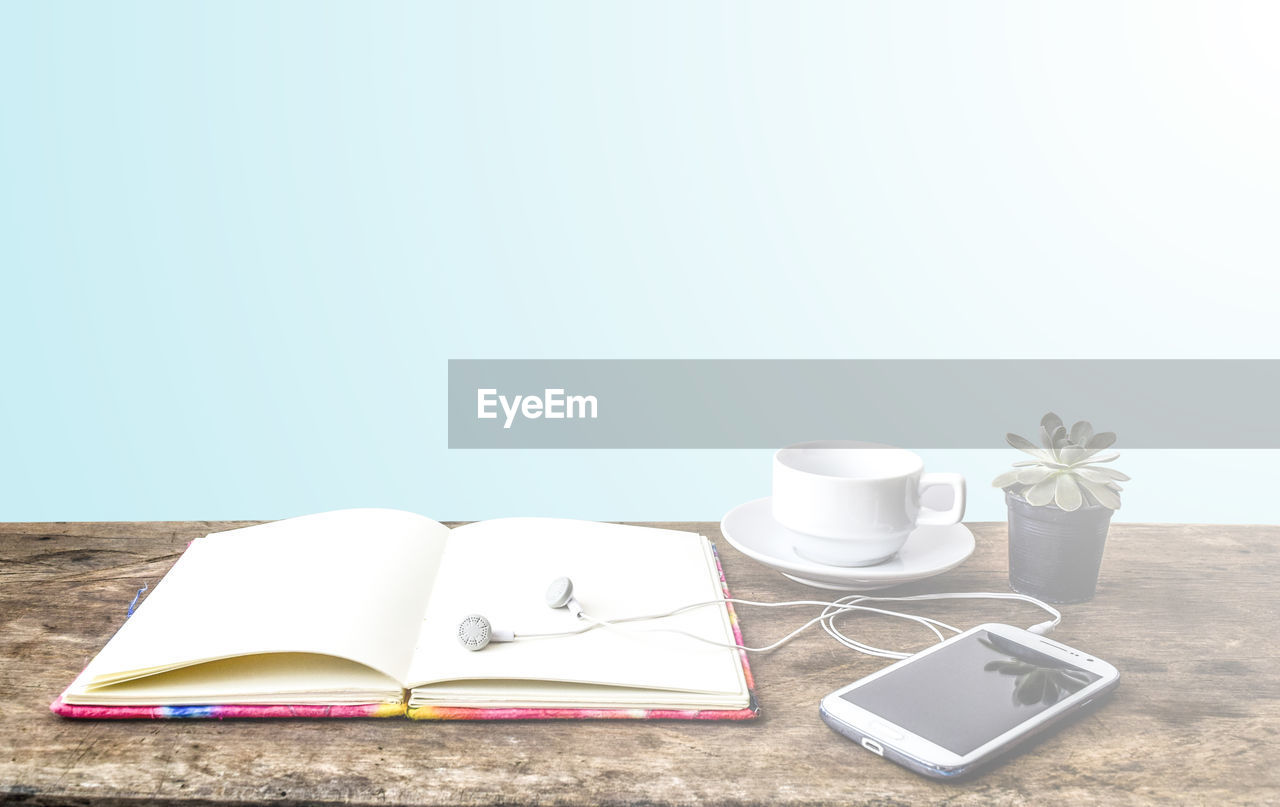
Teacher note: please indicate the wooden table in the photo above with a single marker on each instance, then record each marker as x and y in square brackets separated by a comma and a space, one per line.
[1188, 614]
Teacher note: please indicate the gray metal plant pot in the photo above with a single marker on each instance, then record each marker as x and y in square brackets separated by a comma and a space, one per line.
[1054, 554]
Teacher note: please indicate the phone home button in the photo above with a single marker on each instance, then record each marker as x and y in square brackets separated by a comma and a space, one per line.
[873, 746]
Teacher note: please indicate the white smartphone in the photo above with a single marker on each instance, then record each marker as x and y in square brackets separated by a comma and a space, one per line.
[950, 709]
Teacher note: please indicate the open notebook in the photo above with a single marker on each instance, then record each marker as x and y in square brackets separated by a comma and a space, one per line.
[355, 613]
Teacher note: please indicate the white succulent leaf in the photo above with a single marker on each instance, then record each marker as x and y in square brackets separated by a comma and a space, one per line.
[1030, 476]
[1101, 440]
[1100, 474]
[1104, 495]
[1066, 493]
[1005, 479]
[1050, 422]
[1025, 445]
[1073, 454]
[1060, 438]
[1049, 442]
[1081, 432]
[1042, 492]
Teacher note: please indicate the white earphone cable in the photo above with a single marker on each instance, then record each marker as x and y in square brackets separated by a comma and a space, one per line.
[831, 609]
[560, 595]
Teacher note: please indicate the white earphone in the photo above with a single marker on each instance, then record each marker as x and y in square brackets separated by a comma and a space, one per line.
[475, 632]
[560, 595]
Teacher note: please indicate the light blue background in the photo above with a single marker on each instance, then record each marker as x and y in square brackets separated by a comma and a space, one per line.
[239, 241]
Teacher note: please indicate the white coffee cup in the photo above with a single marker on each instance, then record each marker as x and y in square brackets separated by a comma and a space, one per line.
[854, 504]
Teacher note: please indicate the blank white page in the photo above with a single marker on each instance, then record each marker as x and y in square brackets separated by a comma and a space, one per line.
[501, 569]
[350, 583]
[265, 678]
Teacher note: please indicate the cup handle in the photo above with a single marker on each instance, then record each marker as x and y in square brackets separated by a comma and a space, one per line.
[941, 518]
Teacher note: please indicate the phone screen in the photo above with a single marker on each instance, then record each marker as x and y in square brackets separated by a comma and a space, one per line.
[970, 692]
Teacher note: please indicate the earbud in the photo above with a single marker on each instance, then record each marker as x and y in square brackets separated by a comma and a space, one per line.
[1043, 628]
[475, 633]
[560, 595]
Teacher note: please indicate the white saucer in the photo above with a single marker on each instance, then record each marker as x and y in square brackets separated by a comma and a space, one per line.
[929, 551]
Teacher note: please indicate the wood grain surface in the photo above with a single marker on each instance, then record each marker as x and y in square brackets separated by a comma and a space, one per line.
[1188, 614]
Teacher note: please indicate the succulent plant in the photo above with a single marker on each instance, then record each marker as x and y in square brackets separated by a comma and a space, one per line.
[1066, 470]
